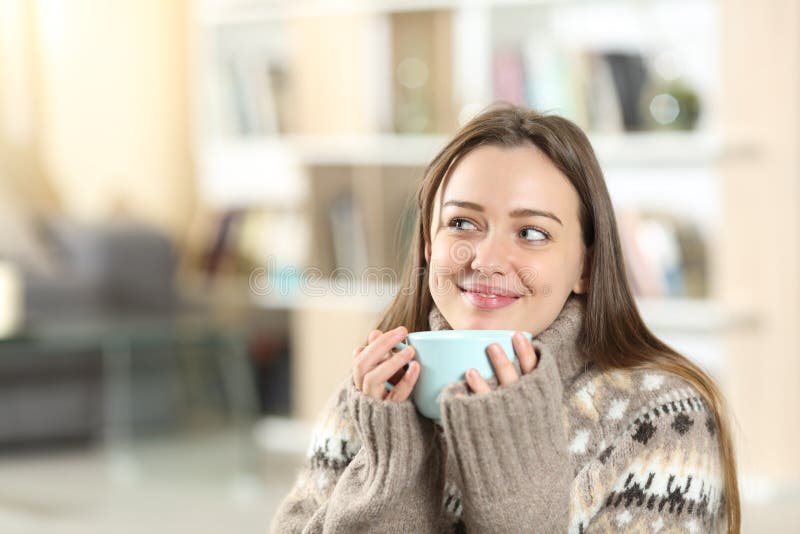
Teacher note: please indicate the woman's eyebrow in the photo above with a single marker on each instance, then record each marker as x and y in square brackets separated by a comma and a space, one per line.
[518, 212]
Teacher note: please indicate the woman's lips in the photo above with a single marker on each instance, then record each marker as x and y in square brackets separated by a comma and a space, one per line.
[487, 303]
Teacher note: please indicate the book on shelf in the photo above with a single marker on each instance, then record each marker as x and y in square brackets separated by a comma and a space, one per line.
[553, 77]
[258, 95]
[508, 76]
[630, 77]
[665, 255]
[219, 255]
[246, 239]
[253, 94]
[604, 111]
[348, 234]
[421, 65]
[601, 90]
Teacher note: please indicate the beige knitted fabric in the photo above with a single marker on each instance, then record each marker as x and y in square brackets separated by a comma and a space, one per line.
[567, 448]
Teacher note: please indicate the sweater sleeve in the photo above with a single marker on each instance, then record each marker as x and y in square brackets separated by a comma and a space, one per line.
[509, 447]
[393, 479]
[662, 473]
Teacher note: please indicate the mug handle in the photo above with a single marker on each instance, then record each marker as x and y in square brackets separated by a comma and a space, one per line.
[388, 385]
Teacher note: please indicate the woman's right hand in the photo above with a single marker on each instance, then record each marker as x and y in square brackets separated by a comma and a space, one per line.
[374, 364]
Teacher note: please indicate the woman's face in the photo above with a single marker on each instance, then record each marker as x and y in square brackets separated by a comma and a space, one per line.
[506, 248]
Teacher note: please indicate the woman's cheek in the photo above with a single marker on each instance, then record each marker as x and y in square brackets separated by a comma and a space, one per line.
[532, 275]
[441, 253]
[439, 271]
[457, 253]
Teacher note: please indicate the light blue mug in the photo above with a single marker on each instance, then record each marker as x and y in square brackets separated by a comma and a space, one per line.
[446, 355]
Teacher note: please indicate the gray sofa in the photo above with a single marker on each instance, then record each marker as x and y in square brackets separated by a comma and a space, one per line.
[113, 268]
[52, 392]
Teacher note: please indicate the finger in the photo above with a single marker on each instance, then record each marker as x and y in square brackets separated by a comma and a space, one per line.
[525, 353]
[357, 376]
[381, 343]
[476, 382]
[374, 353]
[370, 338]
[405, 386]
[373, 336]
[375, 380]
[503, 368]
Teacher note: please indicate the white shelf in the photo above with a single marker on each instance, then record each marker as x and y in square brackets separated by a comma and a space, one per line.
[666, 149]
[223, 12]
[663, 149]
[692, 316]
[415, 150]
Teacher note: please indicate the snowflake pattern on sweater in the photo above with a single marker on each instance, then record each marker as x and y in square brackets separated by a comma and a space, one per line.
[646, 455]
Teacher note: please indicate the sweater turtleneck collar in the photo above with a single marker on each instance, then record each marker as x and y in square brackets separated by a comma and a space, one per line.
[561, 337]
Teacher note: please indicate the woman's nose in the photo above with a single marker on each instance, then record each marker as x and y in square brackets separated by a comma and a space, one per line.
[492, 255]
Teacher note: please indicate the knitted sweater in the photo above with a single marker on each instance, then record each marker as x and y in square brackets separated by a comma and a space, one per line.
[566, 448]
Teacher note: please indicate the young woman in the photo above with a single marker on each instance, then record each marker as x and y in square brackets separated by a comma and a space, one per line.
[598, 427]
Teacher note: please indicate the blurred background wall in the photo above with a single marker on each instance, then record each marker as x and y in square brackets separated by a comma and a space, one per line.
[95, 108]
[204, 206]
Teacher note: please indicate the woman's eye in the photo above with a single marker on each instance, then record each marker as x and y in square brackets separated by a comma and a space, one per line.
[461, 224]
[533, 234]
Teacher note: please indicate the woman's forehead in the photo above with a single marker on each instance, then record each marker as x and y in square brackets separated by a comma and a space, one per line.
[500, 178]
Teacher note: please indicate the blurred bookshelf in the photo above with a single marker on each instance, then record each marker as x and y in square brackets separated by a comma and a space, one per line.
[315, 121]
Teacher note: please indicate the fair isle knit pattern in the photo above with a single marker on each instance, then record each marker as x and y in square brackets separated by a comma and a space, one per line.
[647, 457]
[640, 444]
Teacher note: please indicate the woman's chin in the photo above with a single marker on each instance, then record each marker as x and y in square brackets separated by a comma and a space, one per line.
[484, 323]
[473, 319]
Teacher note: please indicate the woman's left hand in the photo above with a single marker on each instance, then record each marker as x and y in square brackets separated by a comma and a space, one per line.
[503, 368]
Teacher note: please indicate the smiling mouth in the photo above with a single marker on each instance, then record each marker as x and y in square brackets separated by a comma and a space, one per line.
[487, 301]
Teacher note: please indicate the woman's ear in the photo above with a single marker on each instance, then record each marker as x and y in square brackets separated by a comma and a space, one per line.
[582, 285]
[427, 253]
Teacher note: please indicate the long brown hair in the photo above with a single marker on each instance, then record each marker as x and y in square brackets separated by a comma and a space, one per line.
[614, 334]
